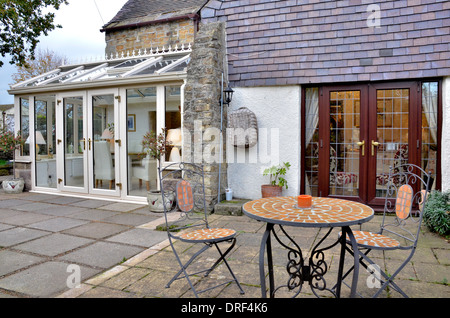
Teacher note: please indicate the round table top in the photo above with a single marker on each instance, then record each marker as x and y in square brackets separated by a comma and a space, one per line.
[325, 212]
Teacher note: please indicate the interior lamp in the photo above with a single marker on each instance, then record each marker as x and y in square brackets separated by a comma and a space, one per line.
[39, 140]
[174, 137]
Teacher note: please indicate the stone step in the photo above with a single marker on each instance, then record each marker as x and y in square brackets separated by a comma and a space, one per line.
[233, 207]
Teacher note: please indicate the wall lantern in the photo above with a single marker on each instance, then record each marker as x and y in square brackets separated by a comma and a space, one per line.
[227, 95]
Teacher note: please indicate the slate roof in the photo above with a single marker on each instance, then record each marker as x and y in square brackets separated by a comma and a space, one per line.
[138, 11]
[274, 42]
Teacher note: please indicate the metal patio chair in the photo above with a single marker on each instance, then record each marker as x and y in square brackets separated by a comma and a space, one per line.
[184, 183]
[406, 194]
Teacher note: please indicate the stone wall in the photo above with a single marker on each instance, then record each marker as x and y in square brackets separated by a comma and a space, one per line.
[202, 109]
[151, 36]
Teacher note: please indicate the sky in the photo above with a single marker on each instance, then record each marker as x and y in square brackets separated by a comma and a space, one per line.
[79, 38]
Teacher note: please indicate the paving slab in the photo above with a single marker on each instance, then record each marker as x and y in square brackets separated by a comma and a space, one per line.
[34, 206]
[54, 244]
[24, 218]
[63, 200]
[97, 230]
[129, 219]
[19, 235]
[61, 210]
[102, 254]
[139, 237]
[90, 203]
[57, 224]
[93, 214]
[12, 203]
[11, 261]
[44, 280]
[122, 207]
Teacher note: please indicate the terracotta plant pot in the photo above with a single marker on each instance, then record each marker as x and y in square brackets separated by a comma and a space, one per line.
[268, 190]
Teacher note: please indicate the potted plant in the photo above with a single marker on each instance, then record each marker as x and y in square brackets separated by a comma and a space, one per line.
[8, 144]
[277, 180]
[155, 147]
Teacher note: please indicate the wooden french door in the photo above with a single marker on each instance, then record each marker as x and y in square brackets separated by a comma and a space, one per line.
[363, 130]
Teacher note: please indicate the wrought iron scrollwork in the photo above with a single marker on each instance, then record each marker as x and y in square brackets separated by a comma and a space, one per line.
[299, 273]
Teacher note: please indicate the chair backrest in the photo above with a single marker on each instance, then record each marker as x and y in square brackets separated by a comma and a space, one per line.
[102, 160]
[406, 194]
[183, 183]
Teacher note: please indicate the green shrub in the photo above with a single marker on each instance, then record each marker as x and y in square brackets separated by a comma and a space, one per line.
[4, 172]
[436, 214]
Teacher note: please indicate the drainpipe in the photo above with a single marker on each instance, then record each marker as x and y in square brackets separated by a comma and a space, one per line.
[220, 139]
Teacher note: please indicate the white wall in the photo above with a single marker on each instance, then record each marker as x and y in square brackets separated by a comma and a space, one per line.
[445, 142]
[278, 114]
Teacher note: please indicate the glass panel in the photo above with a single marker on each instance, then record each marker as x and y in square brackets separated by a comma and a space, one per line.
[73, 149]
[312, 141]
[429, 128]
[392, 133]
[44, 109]
[103, 144]
[141, 119]
[344, 136]
[173, 123]
[25, 125]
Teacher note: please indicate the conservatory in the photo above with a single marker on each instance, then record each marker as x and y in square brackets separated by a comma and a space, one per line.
[84, 123]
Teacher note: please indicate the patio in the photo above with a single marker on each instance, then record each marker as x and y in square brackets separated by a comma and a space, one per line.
[120, 253]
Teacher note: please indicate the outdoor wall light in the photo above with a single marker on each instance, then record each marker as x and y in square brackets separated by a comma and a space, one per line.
[227, 95]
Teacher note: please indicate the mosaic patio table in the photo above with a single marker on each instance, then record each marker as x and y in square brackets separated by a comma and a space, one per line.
[325, 212]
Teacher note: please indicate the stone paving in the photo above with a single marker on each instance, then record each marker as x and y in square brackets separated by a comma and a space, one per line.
[120, 254]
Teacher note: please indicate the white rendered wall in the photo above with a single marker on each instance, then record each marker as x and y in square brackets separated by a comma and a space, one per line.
[445, 142]
[278, 113]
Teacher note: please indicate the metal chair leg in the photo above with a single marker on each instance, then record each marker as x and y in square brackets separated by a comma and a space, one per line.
[222, 256]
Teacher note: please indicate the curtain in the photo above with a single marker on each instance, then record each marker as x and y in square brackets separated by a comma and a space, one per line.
[311, 121]
[429, 104]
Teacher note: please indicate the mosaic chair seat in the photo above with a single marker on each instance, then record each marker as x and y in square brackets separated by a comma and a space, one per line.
[400, 226]
[185, 182]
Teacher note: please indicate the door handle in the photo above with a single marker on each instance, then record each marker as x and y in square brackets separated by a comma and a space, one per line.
[84, 143]
[118, 141]
[89, 141]
[362, 145]
[374, 144]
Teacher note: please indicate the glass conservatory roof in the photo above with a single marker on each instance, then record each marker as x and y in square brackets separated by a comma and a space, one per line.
[146, 63]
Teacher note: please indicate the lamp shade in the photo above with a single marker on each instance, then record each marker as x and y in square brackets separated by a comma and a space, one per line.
[174, 137]
[107, 134]
[40, 139]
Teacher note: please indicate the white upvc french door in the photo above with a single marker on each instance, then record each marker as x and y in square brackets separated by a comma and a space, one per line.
[88, 137]
[71, 130]
[103, 142]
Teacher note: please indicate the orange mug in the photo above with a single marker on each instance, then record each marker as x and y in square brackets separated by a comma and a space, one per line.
[304, 201]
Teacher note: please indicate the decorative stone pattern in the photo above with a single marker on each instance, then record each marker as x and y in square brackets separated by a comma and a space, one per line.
[373, 240]
[208, 234]
[324, 211]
